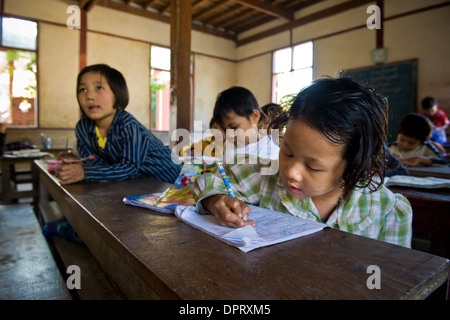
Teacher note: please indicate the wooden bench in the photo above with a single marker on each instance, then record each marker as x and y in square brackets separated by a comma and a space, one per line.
[95, 284]
[27, 270]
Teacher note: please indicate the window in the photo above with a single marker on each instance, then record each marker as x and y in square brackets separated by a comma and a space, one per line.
[160, 88]
[18, 80]
[292, 70]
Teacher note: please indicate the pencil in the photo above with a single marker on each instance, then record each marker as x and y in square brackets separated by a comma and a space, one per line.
[161, 196]
[91, 157]
[225, 179]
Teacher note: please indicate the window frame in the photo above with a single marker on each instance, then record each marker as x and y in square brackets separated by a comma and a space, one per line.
[276, 73]
[158, 68]
[5, 48]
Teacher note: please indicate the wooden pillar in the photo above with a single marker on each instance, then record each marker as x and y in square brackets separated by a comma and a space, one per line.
[180, 45]
[380, 32]
[83, 39]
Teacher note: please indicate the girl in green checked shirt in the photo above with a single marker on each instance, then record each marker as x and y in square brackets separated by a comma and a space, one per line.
[331, 159]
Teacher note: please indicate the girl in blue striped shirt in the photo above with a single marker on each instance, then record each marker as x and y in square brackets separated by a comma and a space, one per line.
[122, 146]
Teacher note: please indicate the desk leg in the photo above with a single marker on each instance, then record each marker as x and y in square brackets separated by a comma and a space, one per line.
[40, 196]
[36, 187]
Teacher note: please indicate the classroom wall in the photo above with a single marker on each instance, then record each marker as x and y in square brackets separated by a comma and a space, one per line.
[123, 41]
[424, 36]
[339, 44]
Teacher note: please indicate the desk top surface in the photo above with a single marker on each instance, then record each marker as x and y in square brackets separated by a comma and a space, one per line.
[180, 262]
[24, 155]
[433, 171]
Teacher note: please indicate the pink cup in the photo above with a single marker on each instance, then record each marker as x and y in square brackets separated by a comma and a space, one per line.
[53, 165]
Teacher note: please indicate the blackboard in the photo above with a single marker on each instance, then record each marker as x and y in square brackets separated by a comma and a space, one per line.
[396, 81]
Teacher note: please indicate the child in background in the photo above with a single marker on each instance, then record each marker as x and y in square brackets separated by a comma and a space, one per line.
[236, 108]
[437, 117]
[331, 159]
[198, 148]
[412, 147]
[205, 147]
[122, 146]
[269, 112]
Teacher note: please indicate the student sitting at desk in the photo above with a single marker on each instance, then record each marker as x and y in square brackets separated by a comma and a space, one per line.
[412, 147]
[122, 146]
[437, 117]
[237, 109]
[331, 157]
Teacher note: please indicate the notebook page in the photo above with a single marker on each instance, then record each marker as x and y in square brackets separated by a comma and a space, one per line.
[271, 227]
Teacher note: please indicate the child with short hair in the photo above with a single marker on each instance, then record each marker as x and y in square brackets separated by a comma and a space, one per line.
[237, 112]
[269, 112]
[331, 159]
[122, 146]
[412, 147]
[437, 117]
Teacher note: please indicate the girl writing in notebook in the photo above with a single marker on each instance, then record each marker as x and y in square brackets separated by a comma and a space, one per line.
[122, 147]
[331, 159]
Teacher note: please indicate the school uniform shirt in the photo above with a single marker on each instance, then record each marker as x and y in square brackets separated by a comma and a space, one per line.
[131, 150]
[380, 215]
[426, 149]
[265, 147]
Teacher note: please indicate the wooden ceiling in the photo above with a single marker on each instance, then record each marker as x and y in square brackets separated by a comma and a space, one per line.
[224, 18]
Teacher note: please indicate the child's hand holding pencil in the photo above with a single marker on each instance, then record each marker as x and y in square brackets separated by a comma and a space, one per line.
[72, 171]
[75, 161]
[229, 211]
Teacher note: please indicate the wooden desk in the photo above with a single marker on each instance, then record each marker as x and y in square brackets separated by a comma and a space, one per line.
[431, 216]
[433, 171]
[154, 255]
[8, 163]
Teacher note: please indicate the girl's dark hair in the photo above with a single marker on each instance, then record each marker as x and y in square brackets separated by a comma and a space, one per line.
[416, 126]
[237, 99]
[350, 114]
[116, 82]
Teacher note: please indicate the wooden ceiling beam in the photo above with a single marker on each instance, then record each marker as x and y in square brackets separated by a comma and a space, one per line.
[130, 9]
[206, 11]
[87, 4]
[148, 4]
[331, 11]
[267, 8]
[82, 3]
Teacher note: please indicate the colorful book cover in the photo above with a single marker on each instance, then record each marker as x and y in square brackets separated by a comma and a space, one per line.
[167, 203]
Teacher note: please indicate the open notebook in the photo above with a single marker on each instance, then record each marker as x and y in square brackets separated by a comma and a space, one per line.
[417, 182]
[271, 227]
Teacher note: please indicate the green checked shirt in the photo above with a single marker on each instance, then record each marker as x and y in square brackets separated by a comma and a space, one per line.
[380, 215]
